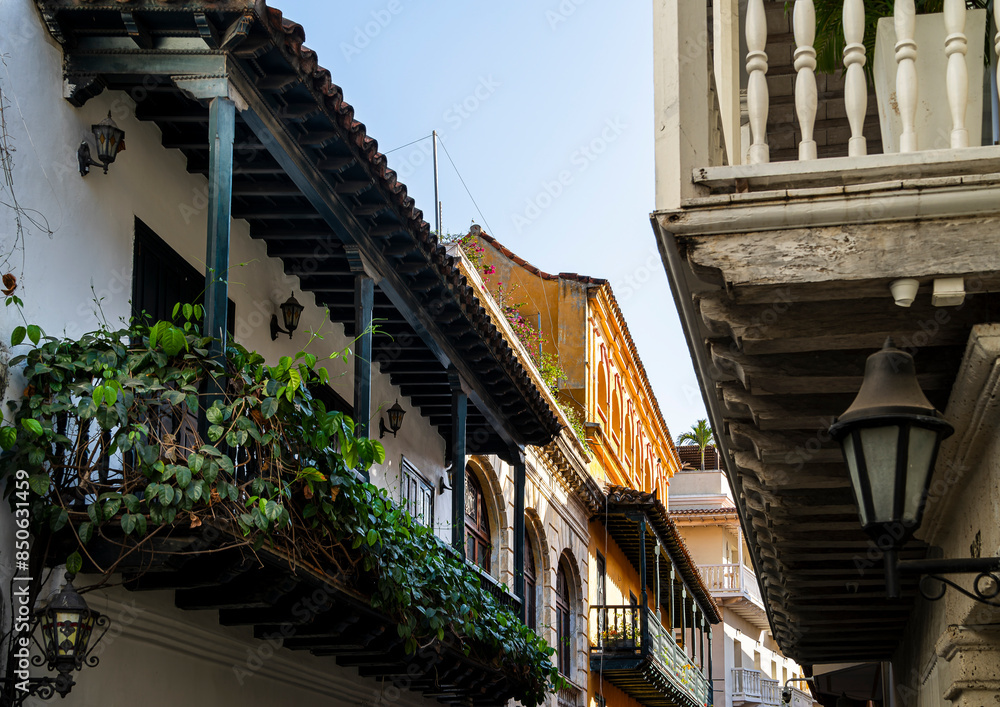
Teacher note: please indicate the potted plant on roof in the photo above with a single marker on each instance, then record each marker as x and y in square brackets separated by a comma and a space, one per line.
[933, 121]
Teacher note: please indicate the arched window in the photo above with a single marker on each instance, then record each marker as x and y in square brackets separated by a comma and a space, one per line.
[530, 586]
[602, 391]
[616, 416]
[564, 643]
[477, 523]
[629, 440]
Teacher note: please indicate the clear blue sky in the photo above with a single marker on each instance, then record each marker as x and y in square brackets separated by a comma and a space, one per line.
[546, 109]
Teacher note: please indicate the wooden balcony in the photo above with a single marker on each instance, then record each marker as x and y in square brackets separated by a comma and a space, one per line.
[329, 615]
[633, 651]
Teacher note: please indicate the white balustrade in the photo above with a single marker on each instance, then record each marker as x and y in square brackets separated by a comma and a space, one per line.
[855, 88]
[955, 47]
[757, 96]
[904, 15]
[804, 22]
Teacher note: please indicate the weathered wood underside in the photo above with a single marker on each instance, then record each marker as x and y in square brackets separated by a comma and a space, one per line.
[785, 320]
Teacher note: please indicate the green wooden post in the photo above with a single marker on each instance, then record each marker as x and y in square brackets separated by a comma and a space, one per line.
[459, 413]
[221, 134]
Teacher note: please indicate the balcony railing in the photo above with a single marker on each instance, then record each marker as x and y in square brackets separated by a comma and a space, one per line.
[770, 692]
[627, 631]
[732, 580]
[910, 63]
[753, 687]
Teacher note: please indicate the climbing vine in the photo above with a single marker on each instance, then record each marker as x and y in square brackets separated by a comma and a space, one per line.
[107, 430]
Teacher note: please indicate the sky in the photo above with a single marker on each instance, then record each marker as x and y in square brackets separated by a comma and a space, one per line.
[545, 109]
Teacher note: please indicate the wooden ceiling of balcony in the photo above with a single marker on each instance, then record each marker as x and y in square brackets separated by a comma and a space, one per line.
[786, 357]
[326, 614]
[293, 231]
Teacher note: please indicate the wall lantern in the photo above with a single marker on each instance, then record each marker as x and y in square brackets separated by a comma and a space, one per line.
[890, 437]
[110, 140]
[291, 310]
[395, 414]
[67, 626]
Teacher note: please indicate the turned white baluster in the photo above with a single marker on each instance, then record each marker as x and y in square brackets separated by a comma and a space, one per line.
[955, 47]
[757, 83]
[804, 21]
[905, 19]
[855, 88]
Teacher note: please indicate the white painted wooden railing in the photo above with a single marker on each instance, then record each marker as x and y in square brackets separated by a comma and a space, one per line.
[746, 684]
[732, 580]
[804, 24]
[855, 89]
[770, 693]
[757, 98]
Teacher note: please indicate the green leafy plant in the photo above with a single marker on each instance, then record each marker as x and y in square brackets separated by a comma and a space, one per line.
[107, 431]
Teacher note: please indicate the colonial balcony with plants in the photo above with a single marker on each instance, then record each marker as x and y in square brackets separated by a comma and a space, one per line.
[657, 651]
[176, 463]
[855, 199]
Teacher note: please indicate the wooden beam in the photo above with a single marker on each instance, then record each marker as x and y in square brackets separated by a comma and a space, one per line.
[818, 373]
[206, 28]
[859, 325]
[137, 30]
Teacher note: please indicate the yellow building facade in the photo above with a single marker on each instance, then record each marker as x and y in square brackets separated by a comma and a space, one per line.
[648, 614]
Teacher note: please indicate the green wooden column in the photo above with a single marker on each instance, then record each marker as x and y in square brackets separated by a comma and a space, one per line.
[642, 580]
[221, 133]
[459, 413]
[517, 455]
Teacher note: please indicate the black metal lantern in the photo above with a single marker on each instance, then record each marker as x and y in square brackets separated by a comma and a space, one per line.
[67, 640]
[890, 437]
[291, 310]
[110, 140]
[395, 414]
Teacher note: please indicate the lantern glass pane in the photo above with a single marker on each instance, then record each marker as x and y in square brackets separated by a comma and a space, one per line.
[918, 471]
[852, 466]
[48, 638]
[292, 315]
[880, 445]
[86, 631]
[67, 632]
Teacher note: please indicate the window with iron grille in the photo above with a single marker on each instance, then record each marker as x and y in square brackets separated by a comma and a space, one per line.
[417, 494]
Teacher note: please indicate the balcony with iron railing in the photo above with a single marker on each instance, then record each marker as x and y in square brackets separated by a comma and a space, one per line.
[631, 649]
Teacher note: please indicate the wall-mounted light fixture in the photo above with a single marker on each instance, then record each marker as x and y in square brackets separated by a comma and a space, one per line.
[890, 437]
[67, 626]
[291, 310]
[395, 414]
[110, 140]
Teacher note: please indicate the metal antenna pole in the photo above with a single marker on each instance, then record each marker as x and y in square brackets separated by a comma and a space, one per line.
[437, 203]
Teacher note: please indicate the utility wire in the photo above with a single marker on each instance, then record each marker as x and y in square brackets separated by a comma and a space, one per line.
[488, 227]
[419, 139]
